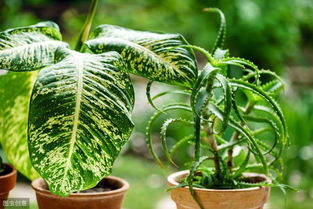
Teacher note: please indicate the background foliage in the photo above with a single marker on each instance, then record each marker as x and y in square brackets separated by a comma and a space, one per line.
[275, 34]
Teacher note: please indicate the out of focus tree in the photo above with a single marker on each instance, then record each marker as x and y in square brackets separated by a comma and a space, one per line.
[271, 33]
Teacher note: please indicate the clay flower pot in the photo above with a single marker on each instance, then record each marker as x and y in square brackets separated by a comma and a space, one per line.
[249, 198]
[85, 200]
[7, 182]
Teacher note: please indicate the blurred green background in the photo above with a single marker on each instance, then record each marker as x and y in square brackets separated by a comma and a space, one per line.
[275, 34]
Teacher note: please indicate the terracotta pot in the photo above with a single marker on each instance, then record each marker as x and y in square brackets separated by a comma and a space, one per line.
[7, 182]
[98, 200]
[249, 198]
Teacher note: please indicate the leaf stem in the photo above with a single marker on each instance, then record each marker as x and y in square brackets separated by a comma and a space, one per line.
[87, 26]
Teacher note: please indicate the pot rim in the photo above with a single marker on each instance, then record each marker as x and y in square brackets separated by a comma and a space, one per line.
[37, 186]
[172, 180]
[12, 173]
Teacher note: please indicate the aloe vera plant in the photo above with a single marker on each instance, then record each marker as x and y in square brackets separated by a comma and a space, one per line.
[232, 106]
[79, 114]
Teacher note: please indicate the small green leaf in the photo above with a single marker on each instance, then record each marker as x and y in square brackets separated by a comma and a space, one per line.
[29, 48]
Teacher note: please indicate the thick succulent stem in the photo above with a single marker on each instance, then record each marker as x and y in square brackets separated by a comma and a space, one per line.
[87, 26]
[214, 148]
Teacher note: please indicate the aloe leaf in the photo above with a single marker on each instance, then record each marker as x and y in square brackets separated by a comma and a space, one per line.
[205, 79]
[153, 118]
[227, 99]
[242, 167]
[273, 87]
[14, 104]
[180, 143]
[163, 132]
[79, 119]
[148, 94]
[155, 56]
[219, 42]
[191, 176]
[264, 95]
[29, 48]
[243, 130]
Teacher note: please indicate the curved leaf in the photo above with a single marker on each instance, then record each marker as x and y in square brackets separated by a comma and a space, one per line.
[265, 96]
[79, 119]
[219, 42]
[227, 99]
[29, 48]
[163, 132]
[15, 90]
[155, 56]
[153, 118]
[244, 131]
[205, 79]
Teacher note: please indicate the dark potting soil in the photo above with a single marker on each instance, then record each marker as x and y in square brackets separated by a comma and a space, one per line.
[253, 179]
[6, 171]
[105, 185]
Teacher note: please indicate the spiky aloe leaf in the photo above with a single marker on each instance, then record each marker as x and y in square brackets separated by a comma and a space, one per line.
[154, 117]
[163, 132]
[29, 48]
[79, 119]
[204, 80]
[219, 42]
[15, 90]
[266, 97]
[155, 56]
[227, 99]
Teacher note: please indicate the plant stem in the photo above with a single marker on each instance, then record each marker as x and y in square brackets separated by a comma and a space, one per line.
[197, 139]
[214, 148]
[87, 26]
[235, 136]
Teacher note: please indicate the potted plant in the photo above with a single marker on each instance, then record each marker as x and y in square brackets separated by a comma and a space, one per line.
[232, 109]
[80, 106]
[7, 181]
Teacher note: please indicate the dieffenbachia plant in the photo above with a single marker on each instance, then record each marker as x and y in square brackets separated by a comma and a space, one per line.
[231, 106]
[15, 91]
[81, 102]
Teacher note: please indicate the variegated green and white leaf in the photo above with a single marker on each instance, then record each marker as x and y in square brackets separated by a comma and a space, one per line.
[79, 119]
[156, 56]
[15, 90]
[29, 48]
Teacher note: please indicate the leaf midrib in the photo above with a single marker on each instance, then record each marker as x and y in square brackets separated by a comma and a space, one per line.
[79, 67]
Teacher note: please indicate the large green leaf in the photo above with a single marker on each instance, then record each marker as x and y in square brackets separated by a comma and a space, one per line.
[15, 90]
[156, 56]
[79, 119]
[29, 48]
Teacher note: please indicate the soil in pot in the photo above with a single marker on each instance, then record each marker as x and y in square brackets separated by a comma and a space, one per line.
[248, 198]
[7, 182]
[108, 194]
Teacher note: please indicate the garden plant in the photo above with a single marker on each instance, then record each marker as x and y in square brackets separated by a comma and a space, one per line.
[79, 114]
[232, 110]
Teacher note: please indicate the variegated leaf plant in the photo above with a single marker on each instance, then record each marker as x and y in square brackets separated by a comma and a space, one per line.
[231, 106]
[15, 91]
[81, 102]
